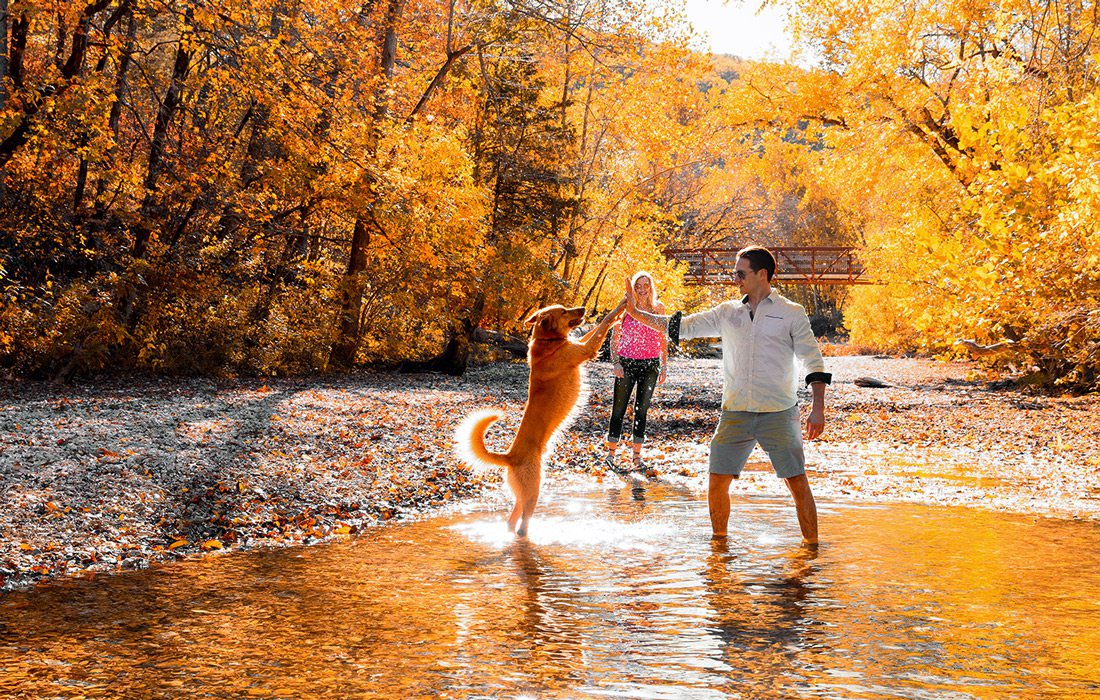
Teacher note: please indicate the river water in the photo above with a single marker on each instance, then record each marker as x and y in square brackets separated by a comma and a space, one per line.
[618, 593]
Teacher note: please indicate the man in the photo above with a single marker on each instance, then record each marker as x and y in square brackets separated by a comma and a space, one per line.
[762, 334]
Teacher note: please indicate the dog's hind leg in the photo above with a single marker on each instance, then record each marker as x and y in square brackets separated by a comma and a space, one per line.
[513, 519]
[524, 479]
[530, 499]
[516, 485]
[528, 511]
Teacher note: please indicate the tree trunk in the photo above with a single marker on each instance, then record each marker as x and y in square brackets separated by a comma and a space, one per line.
[342, 355]
[81, 184]
[165, 115]
[121, 86]
[85, 138]
[260, 147]
[263, 146]
[150, 206]
[59, 47]
[455, 357]
[21, 134]
[3, 53]
[261, 311]
[20, 27]
[343, 350]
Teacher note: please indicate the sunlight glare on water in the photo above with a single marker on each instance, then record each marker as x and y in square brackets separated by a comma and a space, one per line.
[617, 593]
[572, 531]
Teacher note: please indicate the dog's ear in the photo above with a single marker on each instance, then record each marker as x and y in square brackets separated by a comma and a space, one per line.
[532, 318]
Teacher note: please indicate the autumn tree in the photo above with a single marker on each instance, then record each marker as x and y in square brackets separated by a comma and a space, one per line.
[280, 187]
[945, 129]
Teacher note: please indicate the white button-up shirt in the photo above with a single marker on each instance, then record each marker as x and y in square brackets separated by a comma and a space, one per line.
[758, 353]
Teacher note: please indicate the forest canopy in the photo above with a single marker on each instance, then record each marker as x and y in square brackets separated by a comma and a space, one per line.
[276, 187]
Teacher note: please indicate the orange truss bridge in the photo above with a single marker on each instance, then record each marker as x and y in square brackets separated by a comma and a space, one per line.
[805, 265]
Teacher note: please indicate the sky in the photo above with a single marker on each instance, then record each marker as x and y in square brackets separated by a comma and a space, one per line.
[735, 27]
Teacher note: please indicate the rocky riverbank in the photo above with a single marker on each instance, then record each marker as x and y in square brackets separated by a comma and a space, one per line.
[124, 473]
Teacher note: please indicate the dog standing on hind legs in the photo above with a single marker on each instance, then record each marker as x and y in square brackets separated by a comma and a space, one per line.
[555, 386]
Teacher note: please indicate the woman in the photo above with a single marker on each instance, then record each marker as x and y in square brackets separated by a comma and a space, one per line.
[640, 355]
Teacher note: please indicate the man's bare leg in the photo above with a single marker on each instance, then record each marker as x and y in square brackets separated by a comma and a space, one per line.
[718, 499]
[804, 503]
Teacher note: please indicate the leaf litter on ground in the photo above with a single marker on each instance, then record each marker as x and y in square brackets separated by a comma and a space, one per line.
[124, 473]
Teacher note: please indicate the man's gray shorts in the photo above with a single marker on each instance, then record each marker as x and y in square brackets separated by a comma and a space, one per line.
[779, 434]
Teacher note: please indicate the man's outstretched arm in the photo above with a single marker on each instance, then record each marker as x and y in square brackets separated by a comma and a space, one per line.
[655, 321]
[676, 326]
[667, 324]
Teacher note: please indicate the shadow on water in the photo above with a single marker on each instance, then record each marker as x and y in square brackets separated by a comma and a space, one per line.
[619, 592]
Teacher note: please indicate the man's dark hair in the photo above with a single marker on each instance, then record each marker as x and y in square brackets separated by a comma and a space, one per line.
[760, 258]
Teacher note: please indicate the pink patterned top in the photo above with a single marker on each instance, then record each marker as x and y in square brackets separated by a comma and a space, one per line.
[637, 341]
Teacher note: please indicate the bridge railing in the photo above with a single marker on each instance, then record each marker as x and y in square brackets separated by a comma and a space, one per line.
[795, 265]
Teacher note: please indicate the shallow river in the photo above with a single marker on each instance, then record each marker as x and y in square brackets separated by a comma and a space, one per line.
[618, 593]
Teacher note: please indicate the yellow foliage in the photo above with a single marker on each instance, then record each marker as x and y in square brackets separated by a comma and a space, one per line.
[196, 213]
[976, 171]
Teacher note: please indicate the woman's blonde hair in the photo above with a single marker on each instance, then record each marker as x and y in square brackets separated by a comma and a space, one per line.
[652, 286]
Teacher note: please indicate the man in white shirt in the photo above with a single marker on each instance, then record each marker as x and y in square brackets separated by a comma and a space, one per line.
[762, 334]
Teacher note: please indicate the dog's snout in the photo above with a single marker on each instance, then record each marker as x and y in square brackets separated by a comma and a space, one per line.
[575, 316]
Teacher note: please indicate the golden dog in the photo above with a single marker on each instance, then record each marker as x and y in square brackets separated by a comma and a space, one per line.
[555, 385]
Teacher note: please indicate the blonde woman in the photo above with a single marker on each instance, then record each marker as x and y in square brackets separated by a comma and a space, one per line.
[640, 356]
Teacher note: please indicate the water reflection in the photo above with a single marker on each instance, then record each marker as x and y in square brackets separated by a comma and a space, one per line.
[619, 592]
[762, 611]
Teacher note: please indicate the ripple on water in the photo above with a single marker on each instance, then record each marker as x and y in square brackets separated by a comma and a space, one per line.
[616, 593]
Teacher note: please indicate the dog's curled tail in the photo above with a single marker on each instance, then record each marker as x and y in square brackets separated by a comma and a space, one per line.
[470, 441]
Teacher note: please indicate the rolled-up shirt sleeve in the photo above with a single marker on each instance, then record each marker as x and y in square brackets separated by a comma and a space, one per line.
[807, 350]
[674, 327]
